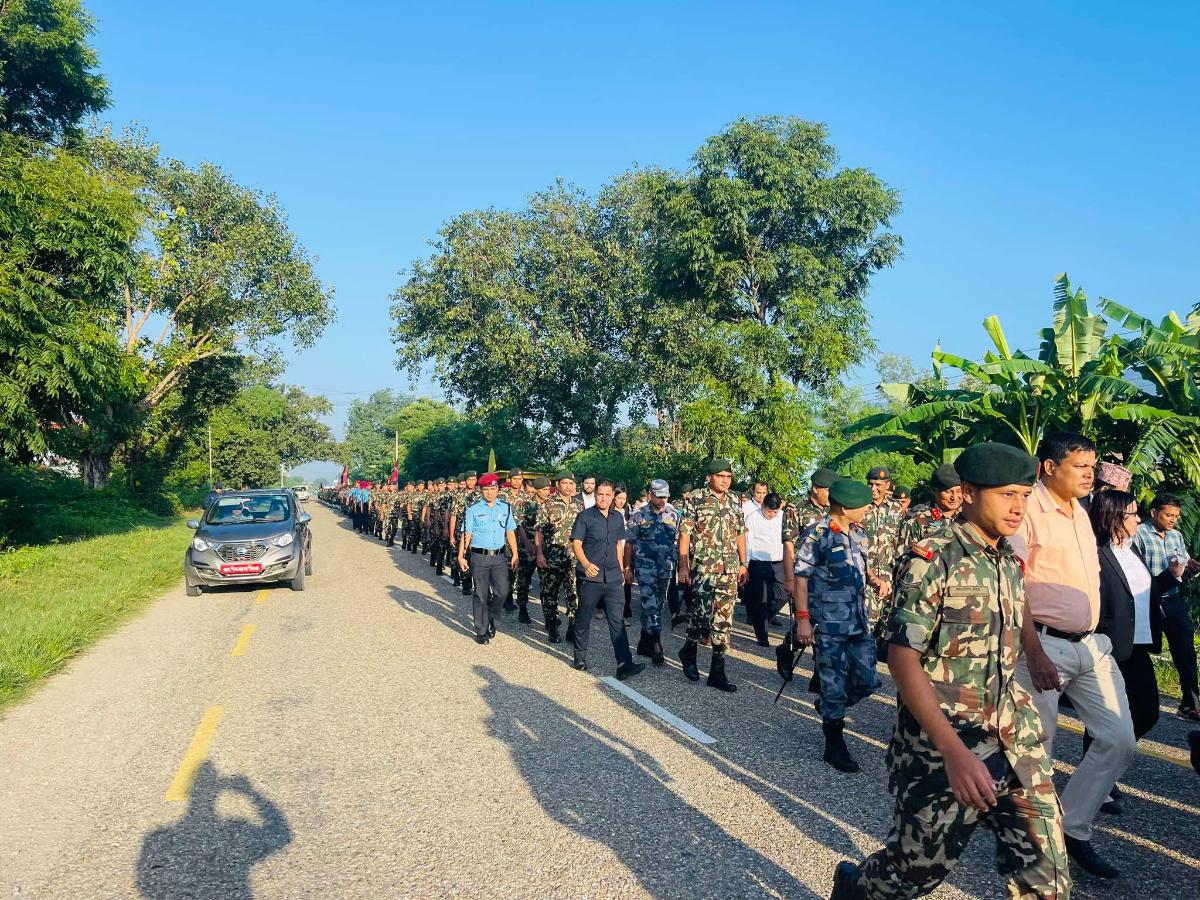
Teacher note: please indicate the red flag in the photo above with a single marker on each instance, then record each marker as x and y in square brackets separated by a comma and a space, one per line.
[395, 479]
[345, 479]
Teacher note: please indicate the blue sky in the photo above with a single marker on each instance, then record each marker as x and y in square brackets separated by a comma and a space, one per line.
[1025, 140]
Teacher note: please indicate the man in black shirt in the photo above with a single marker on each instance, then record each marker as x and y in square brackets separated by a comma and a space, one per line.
[598, 542]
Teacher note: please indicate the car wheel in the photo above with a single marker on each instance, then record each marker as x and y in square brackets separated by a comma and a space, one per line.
[193, 590]
[297, 583]
[308, 563]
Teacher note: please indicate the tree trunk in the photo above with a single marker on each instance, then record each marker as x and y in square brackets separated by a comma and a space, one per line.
[97, 466]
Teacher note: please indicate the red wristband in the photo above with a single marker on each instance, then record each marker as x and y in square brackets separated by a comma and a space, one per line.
[802, 614]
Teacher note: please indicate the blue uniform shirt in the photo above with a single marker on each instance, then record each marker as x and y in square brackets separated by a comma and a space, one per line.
[835, 564]
[487, 525]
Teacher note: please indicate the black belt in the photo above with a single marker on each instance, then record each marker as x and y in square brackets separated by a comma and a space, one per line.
[483, 552]
[1073, 636]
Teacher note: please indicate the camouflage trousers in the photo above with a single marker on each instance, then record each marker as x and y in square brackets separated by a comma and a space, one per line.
[527, 566]
[931, 830]
[389, 530]
[558, 575]
[713, 598]
[653, 585]
[846, 670]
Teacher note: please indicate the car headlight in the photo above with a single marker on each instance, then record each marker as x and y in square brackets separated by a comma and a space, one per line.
[200, 544]
[283, 540]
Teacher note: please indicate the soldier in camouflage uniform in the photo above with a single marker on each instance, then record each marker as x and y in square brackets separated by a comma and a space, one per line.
[650, 554]
[457, 489]
[930, 519]
[393, 514]
[829, 599]
[530, 510]
[712, 558]
[513, 493]
[880, 527]
[554, 557]
[468, 496]
[967, 748]
[411, 516]
[903, 497]
[799, 516]
[441, 521]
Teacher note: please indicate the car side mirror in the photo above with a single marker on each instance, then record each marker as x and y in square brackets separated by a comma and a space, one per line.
[193, 523]
[304, 519]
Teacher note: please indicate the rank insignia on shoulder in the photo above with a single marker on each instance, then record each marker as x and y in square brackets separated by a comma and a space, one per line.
[834, 527]
[924, 552]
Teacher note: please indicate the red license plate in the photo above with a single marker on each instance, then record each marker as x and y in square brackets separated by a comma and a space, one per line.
[242, 569]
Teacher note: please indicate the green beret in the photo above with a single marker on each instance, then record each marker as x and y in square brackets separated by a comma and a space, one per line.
[849, 494]
[541, 481]
[441, 481]
[900, 492]
[823, 478]
[717, 466]
[470, 474]
[565, 476]
[996, 465]
[944, 477]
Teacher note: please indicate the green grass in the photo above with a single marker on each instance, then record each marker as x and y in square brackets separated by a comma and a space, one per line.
[58, 599]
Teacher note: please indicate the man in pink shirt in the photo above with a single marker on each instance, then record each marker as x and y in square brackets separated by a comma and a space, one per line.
[1062, 653]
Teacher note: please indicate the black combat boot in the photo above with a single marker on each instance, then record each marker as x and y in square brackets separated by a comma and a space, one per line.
[571, 630]
[657, 656]
[645, 645]
[552, 634]
[716, 673]
[687, 657]
[837, 754]
[845, 882]
[523, 614]
[509, 604]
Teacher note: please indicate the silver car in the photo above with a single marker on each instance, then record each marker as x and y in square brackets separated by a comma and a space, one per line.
[247, 537]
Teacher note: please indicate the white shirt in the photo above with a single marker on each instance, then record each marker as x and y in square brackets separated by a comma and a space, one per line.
[589, 500]
[1138, 577]
[750, 506]
[764, 537]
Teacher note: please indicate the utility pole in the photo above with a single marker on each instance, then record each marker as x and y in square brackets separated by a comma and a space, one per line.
[210, 474]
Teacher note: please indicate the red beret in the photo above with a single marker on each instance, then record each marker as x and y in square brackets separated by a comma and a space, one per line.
[488, 480]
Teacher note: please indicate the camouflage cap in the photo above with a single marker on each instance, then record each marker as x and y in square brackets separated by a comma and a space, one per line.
[823, 477]
[541, 481]
[850, 494]
[995, 465]
[718, 466]
[944, 477]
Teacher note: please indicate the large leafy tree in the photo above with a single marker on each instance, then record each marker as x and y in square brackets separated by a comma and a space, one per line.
[218, 273]
[65, 233]
[371, 431]
[48, 81]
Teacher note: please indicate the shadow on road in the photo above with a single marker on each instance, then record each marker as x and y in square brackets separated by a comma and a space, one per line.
[609, 791]
[203, 855]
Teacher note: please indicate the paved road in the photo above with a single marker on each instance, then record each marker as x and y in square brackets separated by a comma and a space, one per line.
[359, 744]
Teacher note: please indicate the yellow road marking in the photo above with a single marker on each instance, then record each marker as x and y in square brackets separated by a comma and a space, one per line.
[243, 641]
[181, 787]
[262, 597]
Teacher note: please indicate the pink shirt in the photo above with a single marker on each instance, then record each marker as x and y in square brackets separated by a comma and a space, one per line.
[1062, 565]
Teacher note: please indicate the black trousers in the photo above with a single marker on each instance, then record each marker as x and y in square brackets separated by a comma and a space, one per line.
[1180, 632]
[490, 574]
[1141, 687]
[760, 595]
[612, 595]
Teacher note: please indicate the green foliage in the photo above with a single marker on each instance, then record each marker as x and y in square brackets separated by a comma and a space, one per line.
[65, 233]
[47, 82]
[370, 433]
[41, 507]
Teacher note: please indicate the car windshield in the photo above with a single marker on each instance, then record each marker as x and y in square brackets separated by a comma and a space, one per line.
[247, 510]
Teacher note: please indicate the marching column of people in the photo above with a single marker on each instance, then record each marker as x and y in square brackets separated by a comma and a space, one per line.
[1018, 581]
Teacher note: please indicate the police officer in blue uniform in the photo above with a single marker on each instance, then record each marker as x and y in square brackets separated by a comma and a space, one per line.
[488, 528]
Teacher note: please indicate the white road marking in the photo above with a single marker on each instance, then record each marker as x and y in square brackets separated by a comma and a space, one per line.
[447, 579]
[666, 715]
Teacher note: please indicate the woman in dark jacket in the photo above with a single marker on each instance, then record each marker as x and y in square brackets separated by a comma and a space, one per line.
[1130, 598]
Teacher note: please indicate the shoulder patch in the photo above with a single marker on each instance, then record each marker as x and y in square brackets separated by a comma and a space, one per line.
[922, 551]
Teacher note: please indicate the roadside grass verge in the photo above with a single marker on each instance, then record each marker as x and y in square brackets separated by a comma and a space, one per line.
[57, 599]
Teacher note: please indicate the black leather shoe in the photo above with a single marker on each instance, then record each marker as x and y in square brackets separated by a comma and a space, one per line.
[645, 645]
[523, 616]
[658, 658]
[1112, 808]
[1194, 743]
[845, 882]
[775, 621]
[491, 632]
[1086, 857]
[837, 754]
[509, 605]
[1189, 713]
[628, 670]
[716, 674]
[481, 638]
[552, 634]
[580, 666]
[570, 631]
[687, 658]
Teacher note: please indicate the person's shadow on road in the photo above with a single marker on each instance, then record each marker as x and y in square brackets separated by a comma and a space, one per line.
[609, 791]
[203, 855]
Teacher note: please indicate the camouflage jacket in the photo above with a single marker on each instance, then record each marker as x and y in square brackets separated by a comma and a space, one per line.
[713, 525]
[556, 518]
[923, 521]
[835, 563]
[959, 604]
[880, 526]
[799, 516]
[654, 536]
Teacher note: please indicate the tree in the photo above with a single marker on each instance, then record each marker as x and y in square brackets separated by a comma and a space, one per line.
[47, 78]
[263, 427]
[218, 273]
[370, 434]
[65, 233]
